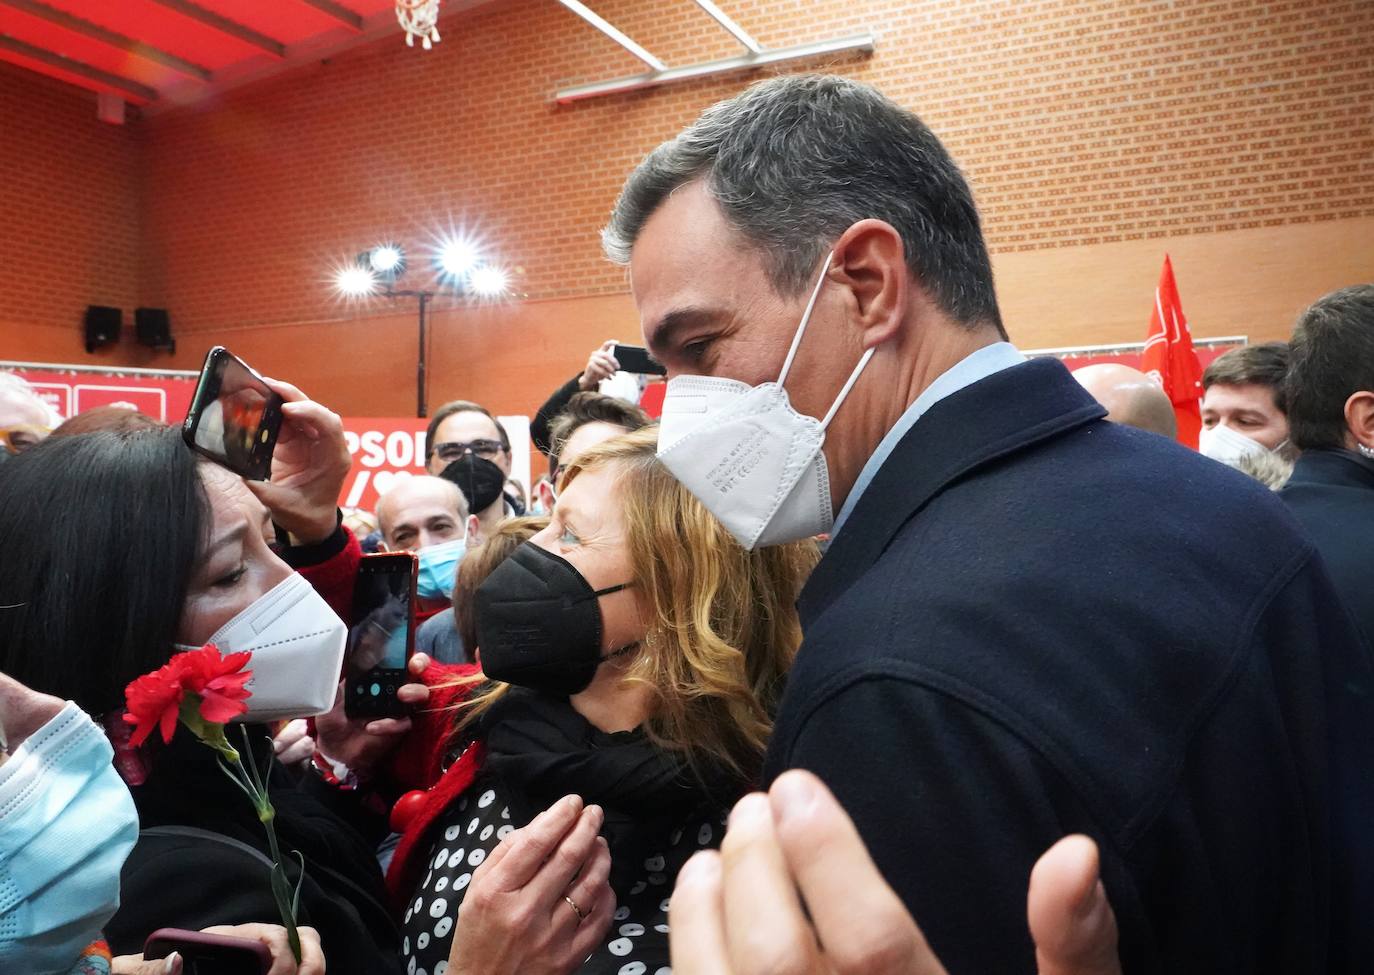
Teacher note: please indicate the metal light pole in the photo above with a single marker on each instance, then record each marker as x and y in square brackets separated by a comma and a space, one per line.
[421, 362]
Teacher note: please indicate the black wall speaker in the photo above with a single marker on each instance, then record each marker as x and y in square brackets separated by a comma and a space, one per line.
[154, 328]
[102, 326]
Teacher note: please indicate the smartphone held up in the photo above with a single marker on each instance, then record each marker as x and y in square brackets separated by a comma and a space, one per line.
[235, 417]
[636, 359]
[382, 638]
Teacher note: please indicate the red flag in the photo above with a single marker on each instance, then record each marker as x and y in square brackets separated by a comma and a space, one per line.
[1170, 358]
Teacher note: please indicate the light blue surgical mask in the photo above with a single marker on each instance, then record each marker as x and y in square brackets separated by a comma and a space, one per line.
[439, 568]
[67, 824]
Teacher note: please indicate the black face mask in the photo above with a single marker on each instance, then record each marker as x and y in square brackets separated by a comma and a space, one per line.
[539, 623]
[479, 479]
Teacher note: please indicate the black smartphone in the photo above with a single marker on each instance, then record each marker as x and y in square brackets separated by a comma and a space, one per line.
[235, 417]
[382, 637]
[209, 954]
[635, 358]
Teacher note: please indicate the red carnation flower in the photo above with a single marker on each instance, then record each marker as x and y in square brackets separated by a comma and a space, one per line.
[219, 681]
[155, 700]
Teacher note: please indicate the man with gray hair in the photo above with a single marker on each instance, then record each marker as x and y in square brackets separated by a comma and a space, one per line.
[983, 671]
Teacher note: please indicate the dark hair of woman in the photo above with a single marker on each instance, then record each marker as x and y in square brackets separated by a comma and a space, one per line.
[99, 533]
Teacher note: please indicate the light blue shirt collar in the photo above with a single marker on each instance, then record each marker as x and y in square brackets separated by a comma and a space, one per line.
[977, 366]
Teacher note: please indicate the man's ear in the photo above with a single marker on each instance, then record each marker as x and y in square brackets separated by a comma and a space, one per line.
[869, 259]
[1359, 417]
[474, 531]
[545, 491]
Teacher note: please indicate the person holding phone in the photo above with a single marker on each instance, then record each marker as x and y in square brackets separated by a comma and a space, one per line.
[154, 549]
[601, 364]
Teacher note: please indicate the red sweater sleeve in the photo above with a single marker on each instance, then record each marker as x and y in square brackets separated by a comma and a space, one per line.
[418, 763]
[333, 578]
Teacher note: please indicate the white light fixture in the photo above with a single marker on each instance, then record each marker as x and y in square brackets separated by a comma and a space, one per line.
[387, 259]
[354, 282]
[419, 18]
[488, 281]
[458, 256]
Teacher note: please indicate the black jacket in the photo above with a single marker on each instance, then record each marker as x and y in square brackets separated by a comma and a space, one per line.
[201, 860]
[1332, 494]
[553, 406]
[1037, 623]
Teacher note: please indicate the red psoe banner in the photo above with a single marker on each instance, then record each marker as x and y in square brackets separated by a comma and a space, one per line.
[385, 449]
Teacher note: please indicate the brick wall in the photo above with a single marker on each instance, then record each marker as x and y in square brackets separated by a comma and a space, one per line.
[1097, 134]
[68, 206]
[1079, 122]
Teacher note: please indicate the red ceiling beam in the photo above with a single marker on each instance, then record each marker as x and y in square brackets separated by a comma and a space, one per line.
[225, 26]
[78, 68]
[349, 18]
[97, 33]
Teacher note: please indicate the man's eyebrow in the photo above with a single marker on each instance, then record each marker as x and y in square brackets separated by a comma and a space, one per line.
[664, 336]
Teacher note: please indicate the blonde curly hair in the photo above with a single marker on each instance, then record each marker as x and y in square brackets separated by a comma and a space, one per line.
[722, 628]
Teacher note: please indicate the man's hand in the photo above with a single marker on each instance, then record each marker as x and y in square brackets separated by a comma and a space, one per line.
[793, 890]
[542, 902]
[600, 365]
[309, 466]
[1071, 920]
[362, 743]
[271, 935]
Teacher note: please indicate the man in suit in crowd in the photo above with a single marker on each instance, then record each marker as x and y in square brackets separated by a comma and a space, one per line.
[1330, 391]
[1022, 628]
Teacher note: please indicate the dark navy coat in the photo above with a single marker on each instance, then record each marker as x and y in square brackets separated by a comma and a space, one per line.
[1332, 494]
[1036, 623]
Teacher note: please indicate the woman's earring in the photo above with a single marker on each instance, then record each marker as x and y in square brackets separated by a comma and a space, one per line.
[1367, 451]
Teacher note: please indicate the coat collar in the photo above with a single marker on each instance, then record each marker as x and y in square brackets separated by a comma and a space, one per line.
[1343, 468]
[1007, 412]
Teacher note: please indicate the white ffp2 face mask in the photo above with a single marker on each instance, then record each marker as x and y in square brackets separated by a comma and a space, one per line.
[298, 645]
[1228, 446]
[747, 455]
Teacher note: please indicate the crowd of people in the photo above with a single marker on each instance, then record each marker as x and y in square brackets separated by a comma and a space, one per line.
[884, 650]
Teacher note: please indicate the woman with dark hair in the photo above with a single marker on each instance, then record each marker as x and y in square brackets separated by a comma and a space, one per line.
[121, 547]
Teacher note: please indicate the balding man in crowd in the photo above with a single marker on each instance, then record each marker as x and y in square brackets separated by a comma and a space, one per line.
[1130, 397]
[24, 418]
[429, 516]
[423, 511]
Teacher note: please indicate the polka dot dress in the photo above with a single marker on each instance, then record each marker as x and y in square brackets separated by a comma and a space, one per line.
[637, 942]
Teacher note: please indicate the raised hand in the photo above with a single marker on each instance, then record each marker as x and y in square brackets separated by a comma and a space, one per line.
[793, 891]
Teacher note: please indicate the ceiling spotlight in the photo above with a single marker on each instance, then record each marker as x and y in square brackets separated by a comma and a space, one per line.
[488, 282]
[457, 257]
[388, 260]
[354, 282]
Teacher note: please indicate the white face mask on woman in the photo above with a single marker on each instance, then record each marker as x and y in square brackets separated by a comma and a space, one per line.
[748, 456]
[298, 646]
[67, 824]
